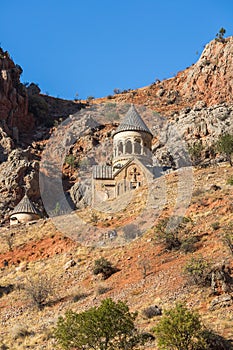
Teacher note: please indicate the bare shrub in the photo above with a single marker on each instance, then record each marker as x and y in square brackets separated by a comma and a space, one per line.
[9, 238]
[103, 289]
[79, 296]
[20, 331]
[145, 266]
[39, 289]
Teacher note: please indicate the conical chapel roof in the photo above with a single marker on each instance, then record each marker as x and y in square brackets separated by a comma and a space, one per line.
[132, 122]
[24, 206]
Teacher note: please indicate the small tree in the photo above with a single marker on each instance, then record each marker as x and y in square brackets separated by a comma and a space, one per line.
[220, 34]
[110, 326]
[195, 152]
[179, 329]
[167, 235]
[70, 160]
[225, 146]
[104, 267]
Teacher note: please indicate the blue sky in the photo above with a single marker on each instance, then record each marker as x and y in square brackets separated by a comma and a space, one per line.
[91, 47]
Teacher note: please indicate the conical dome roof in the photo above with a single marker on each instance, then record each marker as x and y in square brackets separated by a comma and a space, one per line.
[132, 122]
[25, 206]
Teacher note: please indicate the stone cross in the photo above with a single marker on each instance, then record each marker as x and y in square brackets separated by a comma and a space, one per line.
[134, 174]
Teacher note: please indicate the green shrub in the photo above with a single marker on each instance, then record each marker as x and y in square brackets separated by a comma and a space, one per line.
[198, 271]
[225, 146]
[195, 152]
[179, 329]
[71, 161]
[230, 180]
[168, 236]
[40, 108]
[110, 326]
[215, 225]
[79, 296]
[215, 341]
[188, 244]
[104, 267]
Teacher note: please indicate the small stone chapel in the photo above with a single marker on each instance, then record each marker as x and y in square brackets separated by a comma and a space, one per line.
[132, 160]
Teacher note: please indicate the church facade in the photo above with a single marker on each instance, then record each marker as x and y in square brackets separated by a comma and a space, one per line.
[132, 160]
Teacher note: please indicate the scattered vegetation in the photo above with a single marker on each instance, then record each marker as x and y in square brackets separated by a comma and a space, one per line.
[167, 236]
[104, 267]
[188, 244]
[79, 296]
[225, 146]
[228, 237]
[230, 180]
[39, 107]
[174, 233]
[110, 326]
[195, 152]
[198, 271]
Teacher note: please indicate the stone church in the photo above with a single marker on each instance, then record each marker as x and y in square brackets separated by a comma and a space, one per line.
[132, 160]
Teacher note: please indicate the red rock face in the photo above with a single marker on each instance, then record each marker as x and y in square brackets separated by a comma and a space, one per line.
[13, 97]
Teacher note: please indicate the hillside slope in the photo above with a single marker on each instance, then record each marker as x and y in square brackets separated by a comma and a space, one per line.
[40, 248]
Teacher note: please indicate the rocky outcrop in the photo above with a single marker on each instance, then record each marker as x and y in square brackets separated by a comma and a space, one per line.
[81, 195]
[19, 173]
[14, 114]
[200, 125]
[208, 80]
[6, 145]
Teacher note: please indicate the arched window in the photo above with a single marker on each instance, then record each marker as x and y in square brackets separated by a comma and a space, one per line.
[137, 146]
[120, 148]
[128, 147]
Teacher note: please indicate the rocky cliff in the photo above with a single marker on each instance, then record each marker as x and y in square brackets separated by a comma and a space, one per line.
[14, 114]
[208, 80]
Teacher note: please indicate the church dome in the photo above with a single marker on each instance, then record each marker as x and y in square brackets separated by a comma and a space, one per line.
[132, 122]
[24, 206]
